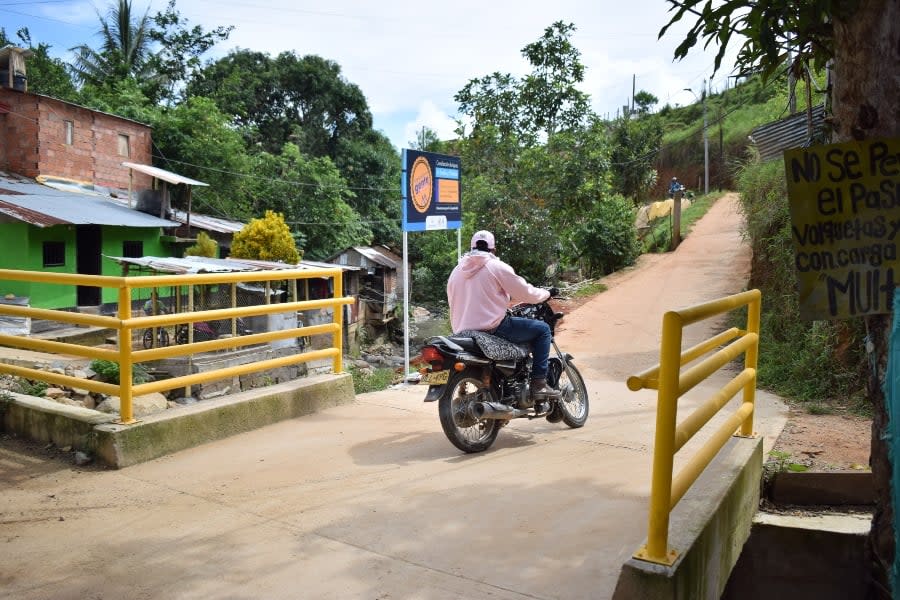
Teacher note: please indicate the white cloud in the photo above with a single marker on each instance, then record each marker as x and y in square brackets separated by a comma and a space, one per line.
[432, 117]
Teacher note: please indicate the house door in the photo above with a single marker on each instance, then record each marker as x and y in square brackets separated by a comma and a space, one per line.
[87, 262]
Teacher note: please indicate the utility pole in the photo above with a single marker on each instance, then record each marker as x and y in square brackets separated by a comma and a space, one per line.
[705, 138]
[705, 145]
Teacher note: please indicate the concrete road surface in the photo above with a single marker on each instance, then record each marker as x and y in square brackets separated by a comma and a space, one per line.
[370, 500]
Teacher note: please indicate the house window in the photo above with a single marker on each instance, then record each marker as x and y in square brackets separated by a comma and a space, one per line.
[133, 249]
[54, 254]
[69, 132]
[124, 149]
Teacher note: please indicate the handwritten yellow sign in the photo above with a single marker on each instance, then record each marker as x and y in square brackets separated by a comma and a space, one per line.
[845, 224]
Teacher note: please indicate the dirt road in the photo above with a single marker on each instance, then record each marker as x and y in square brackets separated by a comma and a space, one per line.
[618, 332]
[370, 500]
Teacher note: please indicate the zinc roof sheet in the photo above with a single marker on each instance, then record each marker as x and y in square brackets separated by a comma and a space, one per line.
[24, 200]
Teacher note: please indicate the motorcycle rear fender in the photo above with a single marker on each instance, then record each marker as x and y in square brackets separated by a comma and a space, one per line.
[434, 392]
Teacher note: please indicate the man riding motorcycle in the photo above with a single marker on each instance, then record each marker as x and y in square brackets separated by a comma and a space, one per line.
[481, 288]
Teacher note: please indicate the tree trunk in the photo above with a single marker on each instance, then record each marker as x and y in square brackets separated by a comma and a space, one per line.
[866, 104]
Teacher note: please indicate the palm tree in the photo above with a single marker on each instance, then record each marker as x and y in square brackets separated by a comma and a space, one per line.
[123, 51]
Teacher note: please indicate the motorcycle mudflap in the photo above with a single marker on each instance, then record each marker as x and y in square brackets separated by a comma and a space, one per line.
[434, 392]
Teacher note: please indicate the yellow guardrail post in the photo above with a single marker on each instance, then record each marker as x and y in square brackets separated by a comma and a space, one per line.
[666, 377]
[664, 446]
[338, 336]
[751, 360]
[126, 408]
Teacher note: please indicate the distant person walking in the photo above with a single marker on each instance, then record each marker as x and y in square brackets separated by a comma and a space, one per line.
[675, 187]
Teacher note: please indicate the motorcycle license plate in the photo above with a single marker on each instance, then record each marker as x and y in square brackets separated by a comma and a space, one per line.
[436, 377]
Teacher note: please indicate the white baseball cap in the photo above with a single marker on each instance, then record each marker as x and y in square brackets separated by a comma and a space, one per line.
[485, 236]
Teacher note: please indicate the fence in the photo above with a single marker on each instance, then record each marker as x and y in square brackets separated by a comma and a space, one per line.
[126, 324]
[672, 383]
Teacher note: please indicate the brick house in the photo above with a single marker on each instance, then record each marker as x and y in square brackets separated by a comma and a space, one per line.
[66, 231]
[40, 135]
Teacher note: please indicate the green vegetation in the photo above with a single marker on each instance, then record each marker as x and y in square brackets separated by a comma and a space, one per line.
[808, 361]
[659, 237]
[266, 239]
[32, 388]
[377, 380]
[591, 289]
[780, 462]
[109, 371]
[205, 246]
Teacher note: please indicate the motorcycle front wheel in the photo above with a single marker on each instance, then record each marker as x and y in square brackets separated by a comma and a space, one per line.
[574, 400]
[462, 429]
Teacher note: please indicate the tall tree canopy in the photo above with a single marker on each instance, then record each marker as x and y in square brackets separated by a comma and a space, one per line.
[124, 44]
[303, 100]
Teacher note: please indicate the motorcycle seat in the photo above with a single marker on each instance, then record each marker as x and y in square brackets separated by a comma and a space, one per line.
[493, 347]
[465, 342]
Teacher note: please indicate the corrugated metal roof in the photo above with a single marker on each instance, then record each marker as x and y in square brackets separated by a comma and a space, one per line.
[376, 254]
[772, 139]
[201, 264]
[43, 206]
[163, 174]
[207, 223]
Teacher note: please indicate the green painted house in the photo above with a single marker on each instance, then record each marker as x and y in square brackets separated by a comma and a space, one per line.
[51, 230]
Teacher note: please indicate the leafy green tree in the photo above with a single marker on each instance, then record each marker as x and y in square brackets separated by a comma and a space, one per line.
[546, 101]
[268, 238]
[302, 100]
[635, 146]
[124, 45]
[46, 75]
[305, 101]
[371, 167]
[861, 39]
[644, 101]
[550, 95]
[205, 246]
[196, 140]
[177, 52]
[312, 196]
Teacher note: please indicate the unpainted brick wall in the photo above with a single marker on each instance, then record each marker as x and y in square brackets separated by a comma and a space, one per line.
[19, 133]
[34, 138]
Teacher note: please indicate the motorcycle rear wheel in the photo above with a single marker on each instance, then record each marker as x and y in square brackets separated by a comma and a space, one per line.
[574, 401]
[463, 430]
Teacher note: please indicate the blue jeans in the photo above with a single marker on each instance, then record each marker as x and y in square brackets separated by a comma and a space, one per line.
[519, 330]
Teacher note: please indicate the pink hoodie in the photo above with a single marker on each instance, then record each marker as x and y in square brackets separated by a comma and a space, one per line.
[480, 289]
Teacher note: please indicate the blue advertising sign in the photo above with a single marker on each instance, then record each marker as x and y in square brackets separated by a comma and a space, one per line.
[431, 187]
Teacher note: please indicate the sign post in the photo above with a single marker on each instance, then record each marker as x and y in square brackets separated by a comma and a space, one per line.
[431, 188]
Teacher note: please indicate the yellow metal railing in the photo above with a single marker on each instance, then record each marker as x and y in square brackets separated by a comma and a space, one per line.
[672, 383]
[126, 325]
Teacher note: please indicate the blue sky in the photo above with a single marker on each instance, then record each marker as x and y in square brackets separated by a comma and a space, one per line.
[410, 58]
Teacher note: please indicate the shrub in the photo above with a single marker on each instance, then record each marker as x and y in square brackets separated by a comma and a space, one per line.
[205, 246]
[268, 238]
[802, 360]
[109, 371]
[606, 240]
[377, 380]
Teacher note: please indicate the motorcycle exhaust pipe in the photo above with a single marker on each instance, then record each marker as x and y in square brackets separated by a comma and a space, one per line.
[495, 410]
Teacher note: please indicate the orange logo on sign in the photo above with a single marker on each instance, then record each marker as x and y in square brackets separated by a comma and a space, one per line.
[420, 187]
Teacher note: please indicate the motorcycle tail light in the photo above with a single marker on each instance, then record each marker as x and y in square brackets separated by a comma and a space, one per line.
[431, 355]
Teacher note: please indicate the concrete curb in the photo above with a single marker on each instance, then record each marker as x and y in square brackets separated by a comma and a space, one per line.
[165, 433]
[708, 529]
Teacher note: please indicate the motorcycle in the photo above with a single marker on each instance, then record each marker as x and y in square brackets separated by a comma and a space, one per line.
[481, 382]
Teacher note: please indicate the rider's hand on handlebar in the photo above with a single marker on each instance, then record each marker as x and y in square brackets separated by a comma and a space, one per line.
[554, 292]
